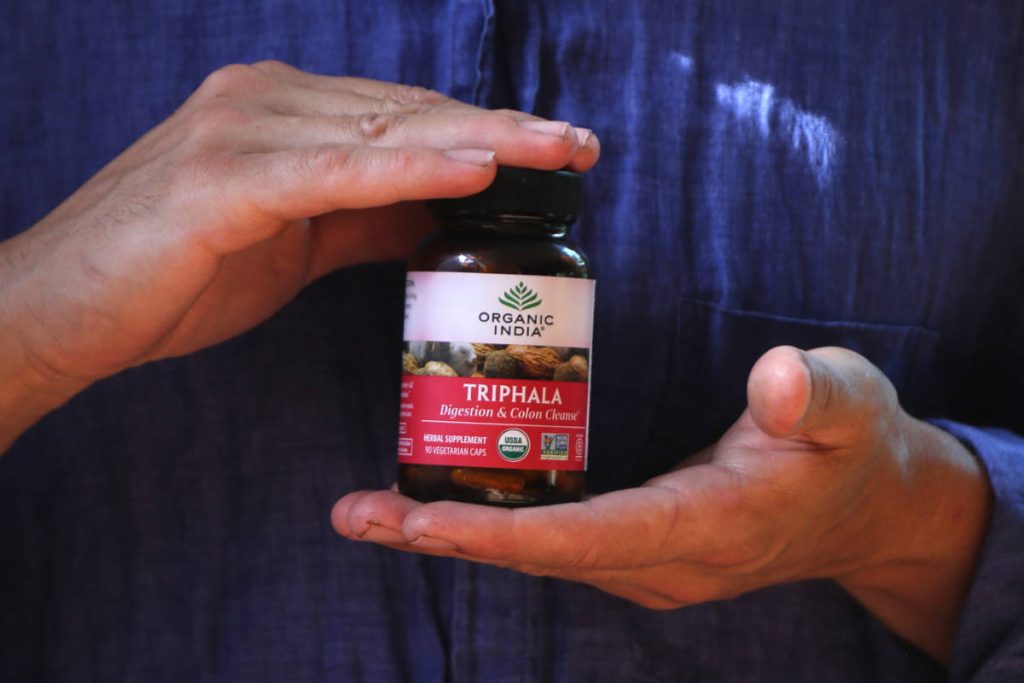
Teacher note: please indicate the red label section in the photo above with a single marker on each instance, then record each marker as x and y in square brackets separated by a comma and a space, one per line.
[480, 422]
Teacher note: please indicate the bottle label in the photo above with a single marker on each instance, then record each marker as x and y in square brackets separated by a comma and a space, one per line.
[495, 371]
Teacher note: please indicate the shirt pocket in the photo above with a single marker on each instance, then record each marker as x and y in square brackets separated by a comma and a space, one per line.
[701, 390]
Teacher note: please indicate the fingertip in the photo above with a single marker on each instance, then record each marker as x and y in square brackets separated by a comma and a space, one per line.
[779, 391]
[340, 511]
[561, 130]
[539, 143]
[828, 394]
[588, 152]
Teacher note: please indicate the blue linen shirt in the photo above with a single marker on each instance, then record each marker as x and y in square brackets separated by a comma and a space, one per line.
[794, 172]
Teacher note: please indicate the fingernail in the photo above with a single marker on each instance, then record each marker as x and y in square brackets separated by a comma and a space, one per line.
[477, 157]
[378, 533]
[583, 136]
[434, 543]
[558, 129]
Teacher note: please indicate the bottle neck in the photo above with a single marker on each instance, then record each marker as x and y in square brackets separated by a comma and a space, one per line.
[506, 225]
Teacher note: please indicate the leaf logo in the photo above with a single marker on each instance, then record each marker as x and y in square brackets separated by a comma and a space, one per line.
[520, 298]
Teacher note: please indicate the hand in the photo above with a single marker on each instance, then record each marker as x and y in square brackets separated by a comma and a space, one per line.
[265, 179]
[824, 475]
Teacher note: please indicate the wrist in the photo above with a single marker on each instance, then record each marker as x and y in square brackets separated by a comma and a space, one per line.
[928, 538]
[28, 389]
[26, 395]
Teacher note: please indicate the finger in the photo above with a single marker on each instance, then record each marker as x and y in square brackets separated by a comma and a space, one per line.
[377, 516]
[265, 189]
[654, 592]
[388, 96]
[303, 93]
[310, 94]
[340, 96]
[659, 587]
[827, 395]
[288, 90]
[616, 530]
[284, 89]
[644, 571]
[355, 513]
[339, 514]
[698, 517]
[372, 516]
[535, 144]
[588, 151]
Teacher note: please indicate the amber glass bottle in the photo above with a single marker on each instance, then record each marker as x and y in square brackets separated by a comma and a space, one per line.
[496, 363]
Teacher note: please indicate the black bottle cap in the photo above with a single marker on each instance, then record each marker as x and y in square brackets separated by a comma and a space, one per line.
[554, 195]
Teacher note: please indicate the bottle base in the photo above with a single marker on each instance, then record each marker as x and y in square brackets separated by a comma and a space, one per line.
[490, 486]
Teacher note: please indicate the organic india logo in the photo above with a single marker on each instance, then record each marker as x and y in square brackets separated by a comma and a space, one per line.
[520, 323]
[520, 298]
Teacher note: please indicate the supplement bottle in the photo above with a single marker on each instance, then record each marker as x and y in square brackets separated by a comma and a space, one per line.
[496, 359]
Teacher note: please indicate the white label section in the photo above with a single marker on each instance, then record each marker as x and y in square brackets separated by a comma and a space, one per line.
[499, 309]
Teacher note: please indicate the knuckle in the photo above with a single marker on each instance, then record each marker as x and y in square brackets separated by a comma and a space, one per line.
[400, 162]
[229, 80]
[195, 172]
[326, 161]
[348, 84]
[404, 108]
[211, 120]
[273, 66]
[374, 127]
[411, 99]
[489, 119]
[414, 94]
[391, 164]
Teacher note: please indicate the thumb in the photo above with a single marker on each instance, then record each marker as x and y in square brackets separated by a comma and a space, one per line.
[828, 395]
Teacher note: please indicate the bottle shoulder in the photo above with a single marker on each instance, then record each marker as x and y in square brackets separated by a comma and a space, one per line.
[526, 255]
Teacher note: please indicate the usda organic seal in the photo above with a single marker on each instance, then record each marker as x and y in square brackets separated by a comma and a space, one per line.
[513, 445]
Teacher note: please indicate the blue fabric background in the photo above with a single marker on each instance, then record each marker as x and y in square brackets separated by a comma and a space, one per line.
[790, 172]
